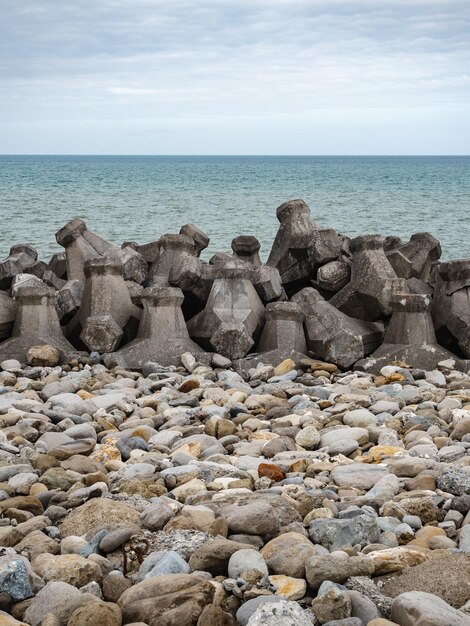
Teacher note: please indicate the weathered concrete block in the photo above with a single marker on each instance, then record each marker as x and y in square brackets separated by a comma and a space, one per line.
[234, 314]
[44, 272]
[283, 336]
[246, 248]
[415, 258]
[368, 294]
[58, 264]
[134, 266]
[332, 335]
[36, 324]
[69, 299]
[201, 240]
[7, 315]
[173, 251]
[22, 280]
[300, 247]
[162, 336]
[106, 312]
[410, 337]
[451, 306]
[268, 285]
[21, 257]
[78, 249]
[333, 276]
[81, 245]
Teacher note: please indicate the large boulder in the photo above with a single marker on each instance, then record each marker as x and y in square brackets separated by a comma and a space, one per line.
[97, 514]
[58, 598]
[416, 608]
[167, 600]
[286, 554]
[69, 568]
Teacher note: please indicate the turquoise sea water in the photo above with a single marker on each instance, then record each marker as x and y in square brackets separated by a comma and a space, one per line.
[141, 197]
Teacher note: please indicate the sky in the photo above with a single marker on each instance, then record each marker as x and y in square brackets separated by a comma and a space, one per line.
[234, 77]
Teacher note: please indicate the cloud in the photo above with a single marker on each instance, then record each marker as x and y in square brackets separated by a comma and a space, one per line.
[158, 60]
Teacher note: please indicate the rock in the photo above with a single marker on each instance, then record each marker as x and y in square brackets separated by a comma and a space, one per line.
[248, 609]
[8, 620]
[155, 516]
[330, 436]
[253, 518]
[337, 533]
[44, 356]
[96, 514]
[445, 575]
[361, 418]
[454, 480]
[308, 438]
[69, 568]
[362, 607]
[214, 616]
[10, 365]
[416, 607]
[464, 539]
[58, 598]
[245, 560]
[94, 613]
[286, 366]
[213, 556]
[283, 613]
[288, 587]
[395, 559]
[286, 554]
[336, 568]
[358, 475]
[113, 540]
[171, 599]
[162, 563]
[332, 605]
[14, 578]
[271, 471]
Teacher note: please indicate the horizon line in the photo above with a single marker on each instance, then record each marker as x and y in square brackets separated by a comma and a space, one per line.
[130, 154]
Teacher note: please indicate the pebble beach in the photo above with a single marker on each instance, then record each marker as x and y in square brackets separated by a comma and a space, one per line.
[287, 495]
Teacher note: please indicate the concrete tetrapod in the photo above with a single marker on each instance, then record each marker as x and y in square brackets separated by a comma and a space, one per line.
[162, 337]
[234, 314]
[246, 248]
[21, 258]
[333, 276]
[410, 337]
[7, 315]
[78, 249]
[373, 281]
[300, 247]
[283, 336]
[201, 240]
[151, 250]
[172, 253]
[415, 258]
[81, 245]
[106, 311]
[36, 324]
[332, 335]
[451, 306]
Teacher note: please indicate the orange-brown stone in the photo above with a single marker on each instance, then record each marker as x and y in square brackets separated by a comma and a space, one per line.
[188, 385]
[271, 471]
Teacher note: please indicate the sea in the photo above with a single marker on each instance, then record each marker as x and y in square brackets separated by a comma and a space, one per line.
[139, 198]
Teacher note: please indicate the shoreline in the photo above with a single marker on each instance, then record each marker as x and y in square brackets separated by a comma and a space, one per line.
[235, 442]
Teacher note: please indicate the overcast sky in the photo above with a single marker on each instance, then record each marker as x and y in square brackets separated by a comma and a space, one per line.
[235, 76]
